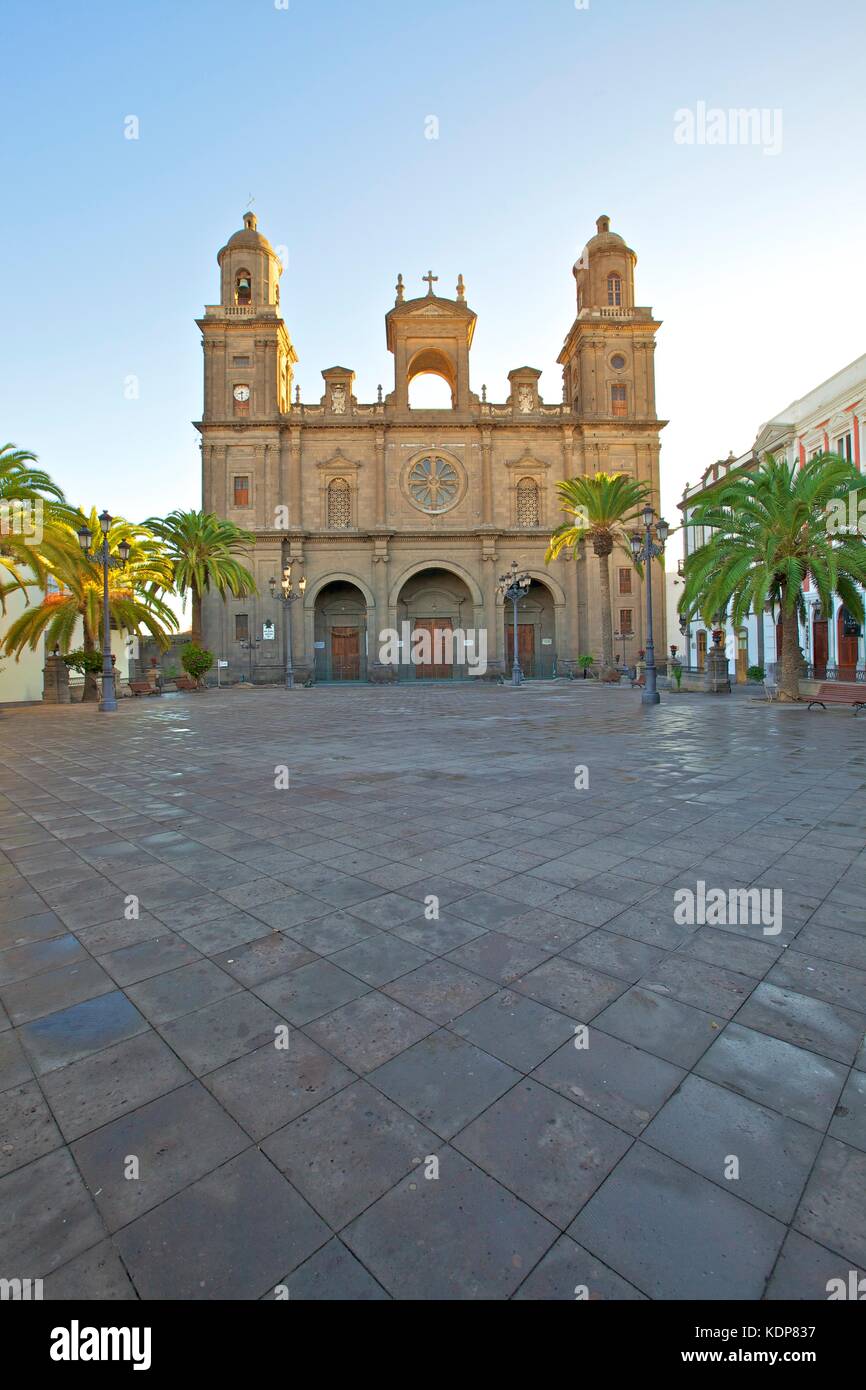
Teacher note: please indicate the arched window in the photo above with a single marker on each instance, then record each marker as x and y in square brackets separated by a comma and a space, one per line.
[614, 290]
[528, 508]
[339, 505]
[243, 287]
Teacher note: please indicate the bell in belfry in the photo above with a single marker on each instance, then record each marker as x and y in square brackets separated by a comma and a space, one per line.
[244, 289]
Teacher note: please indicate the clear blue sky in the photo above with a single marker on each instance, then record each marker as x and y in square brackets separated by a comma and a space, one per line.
[549, 115]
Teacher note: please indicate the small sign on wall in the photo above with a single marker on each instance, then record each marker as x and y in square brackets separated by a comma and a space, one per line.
[269, 631]
[319, 646]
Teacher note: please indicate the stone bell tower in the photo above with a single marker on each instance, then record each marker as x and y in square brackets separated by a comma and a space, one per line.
[607, 360]
[430, 334]
[248, 353]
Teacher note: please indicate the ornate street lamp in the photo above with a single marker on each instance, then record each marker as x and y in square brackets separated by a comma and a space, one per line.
[286, 594]
[108, 703]
[514, 586]
[645, 549]
[250, 644]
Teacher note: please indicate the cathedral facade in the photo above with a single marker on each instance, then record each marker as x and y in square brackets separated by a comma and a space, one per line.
[399, 518]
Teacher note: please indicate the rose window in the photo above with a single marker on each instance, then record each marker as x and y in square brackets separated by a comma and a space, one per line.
[433, 484]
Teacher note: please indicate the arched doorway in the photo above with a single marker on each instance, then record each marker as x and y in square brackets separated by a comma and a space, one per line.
[848, 646]
[742, 655]
[435, 604]
[340, 632]
[536, 633]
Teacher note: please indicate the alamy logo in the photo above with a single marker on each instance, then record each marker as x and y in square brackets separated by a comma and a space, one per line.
[22, 518]
[737, 126]
[20, 1290]
[441, 647]
[77, 1343]
[854, 1289]
[735, 907]
[846, 516]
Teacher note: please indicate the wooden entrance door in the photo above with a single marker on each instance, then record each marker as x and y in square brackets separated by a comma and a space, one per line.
[525, 647]
[742, 655]
[820, 648]
[702, 649]
[436, 671]
[848, 632]
[345, 654]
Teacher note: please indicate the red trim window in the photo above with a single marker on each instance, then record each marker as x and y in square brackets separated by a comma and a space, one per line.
[618, 400]
[242, 627]
[625, 581]
[626, 622]
[242, 491]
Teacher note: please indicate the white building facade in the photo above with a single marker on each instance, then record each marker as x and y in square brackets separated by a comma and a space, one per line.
[829, 419]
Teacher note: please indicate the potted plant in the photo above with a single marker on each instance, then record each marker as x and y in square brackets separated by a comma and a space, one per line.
[756, 674]
[584, 662]
[196, 662]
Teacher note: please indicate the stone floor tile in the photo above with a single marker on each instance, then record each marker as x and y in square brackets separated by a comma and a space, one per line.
[463, 1237]
[369, 1031]
[674, 1031]
[704, 1125]
[568, 1273]
[515, 1029]
[47, 1217]
[234, 1234]
[675, 1235]
[266, 1089]
[571, 988]
[333, 1274]
[549, 1152]
[789, 1079]
[310, 991]
[343, 1155]
[444, 1081]
[614, 1080]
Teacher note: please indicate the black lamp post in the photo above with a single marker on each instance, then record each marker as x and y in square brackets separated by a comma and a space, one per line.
[514, 586]
[108, 703]
[286, 593]
[644, 549]
[250, 645]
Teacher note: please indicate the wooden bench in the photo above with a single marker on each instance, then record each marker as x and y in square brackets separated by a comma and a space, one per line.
[186, 683]
[143, 688]
[830, 693]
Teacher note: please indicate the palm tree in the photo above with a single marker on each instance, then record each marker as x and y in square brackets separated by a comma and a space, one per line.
[771, 528]
[601, 508]
[203, 550]
[30, 537]
[134, 594]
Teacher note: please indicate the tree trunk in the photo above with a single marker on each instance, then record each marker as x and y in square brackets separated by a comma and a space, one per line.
[607, 661]
[196, 618]
[91, 684]
[792, 661]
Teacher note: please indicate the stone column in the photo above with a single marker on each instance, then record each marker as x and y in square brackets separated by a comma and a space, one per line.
[486, 478]
[381, 503]
[55, 681]
[296, 506]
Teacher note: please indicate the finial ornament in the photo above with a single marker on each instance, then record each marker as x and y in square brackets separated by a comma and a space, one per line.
[380, 395]
[484, 395]
[401, 289]
[430, 280]
[461, 288]
[297, 395]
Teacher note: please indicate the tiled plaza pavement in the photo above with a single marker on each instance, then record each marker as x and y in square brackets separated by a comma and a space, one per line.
[151, 1039]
